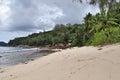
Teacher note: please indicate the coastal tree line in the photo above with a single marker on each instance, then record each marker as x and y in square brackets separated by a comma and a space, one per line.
[102, 28]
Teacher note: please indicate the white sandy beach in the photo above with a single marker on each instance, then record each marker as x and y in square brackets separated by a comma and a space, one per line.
[85, 63]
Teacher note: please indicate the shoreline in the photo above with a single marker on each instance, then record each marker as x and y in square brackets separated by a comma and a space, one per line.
[21, 57]
[85, 63]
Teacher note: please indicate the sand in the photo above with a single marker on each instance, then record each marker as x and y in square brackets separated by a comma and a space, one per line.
[85, 63]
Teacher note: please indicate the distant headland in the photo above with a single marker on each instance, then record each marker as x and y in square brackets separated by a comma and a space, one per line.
[3, 43]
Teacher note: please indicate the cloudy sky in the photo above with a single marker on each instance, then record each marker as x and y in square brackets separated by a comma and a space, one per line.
[23, 17]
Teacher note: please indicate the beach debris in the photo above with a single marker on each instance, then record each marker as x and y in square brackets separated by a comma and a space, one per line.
[2, 71]
[47, 51]
[31, 59]
[25, 62]
[11, 75]
[100, 48]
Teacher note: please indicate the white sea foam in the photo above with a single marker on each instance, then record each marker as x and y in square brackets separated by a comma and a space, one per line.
[14, 49]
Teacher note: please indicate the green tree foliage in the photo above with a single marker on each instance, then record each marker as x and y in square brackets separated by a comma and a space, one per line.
[103, 4]
[102, 28]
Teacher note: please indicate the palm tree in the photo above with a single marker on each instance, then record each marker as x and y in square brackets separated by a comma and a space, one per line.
[103, 4]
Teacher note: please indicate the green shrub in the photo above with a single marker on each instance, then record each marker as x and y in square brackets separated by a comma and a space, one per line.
[98, 38]
[109, 35]
[114, 35]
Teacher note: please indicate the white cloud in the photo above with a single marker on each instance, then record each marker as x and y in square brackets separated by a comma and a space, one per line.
[28, 16]
[31, 15]
[4, 13]
[47, 17]
[37, 16]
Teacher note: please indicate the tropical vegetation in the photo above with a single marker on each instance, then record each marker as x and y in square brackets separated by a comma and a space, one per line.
[99, 29]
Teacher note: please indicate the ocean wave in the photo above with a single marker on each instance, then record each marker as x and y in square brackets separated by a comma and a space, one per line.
[14, 49]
